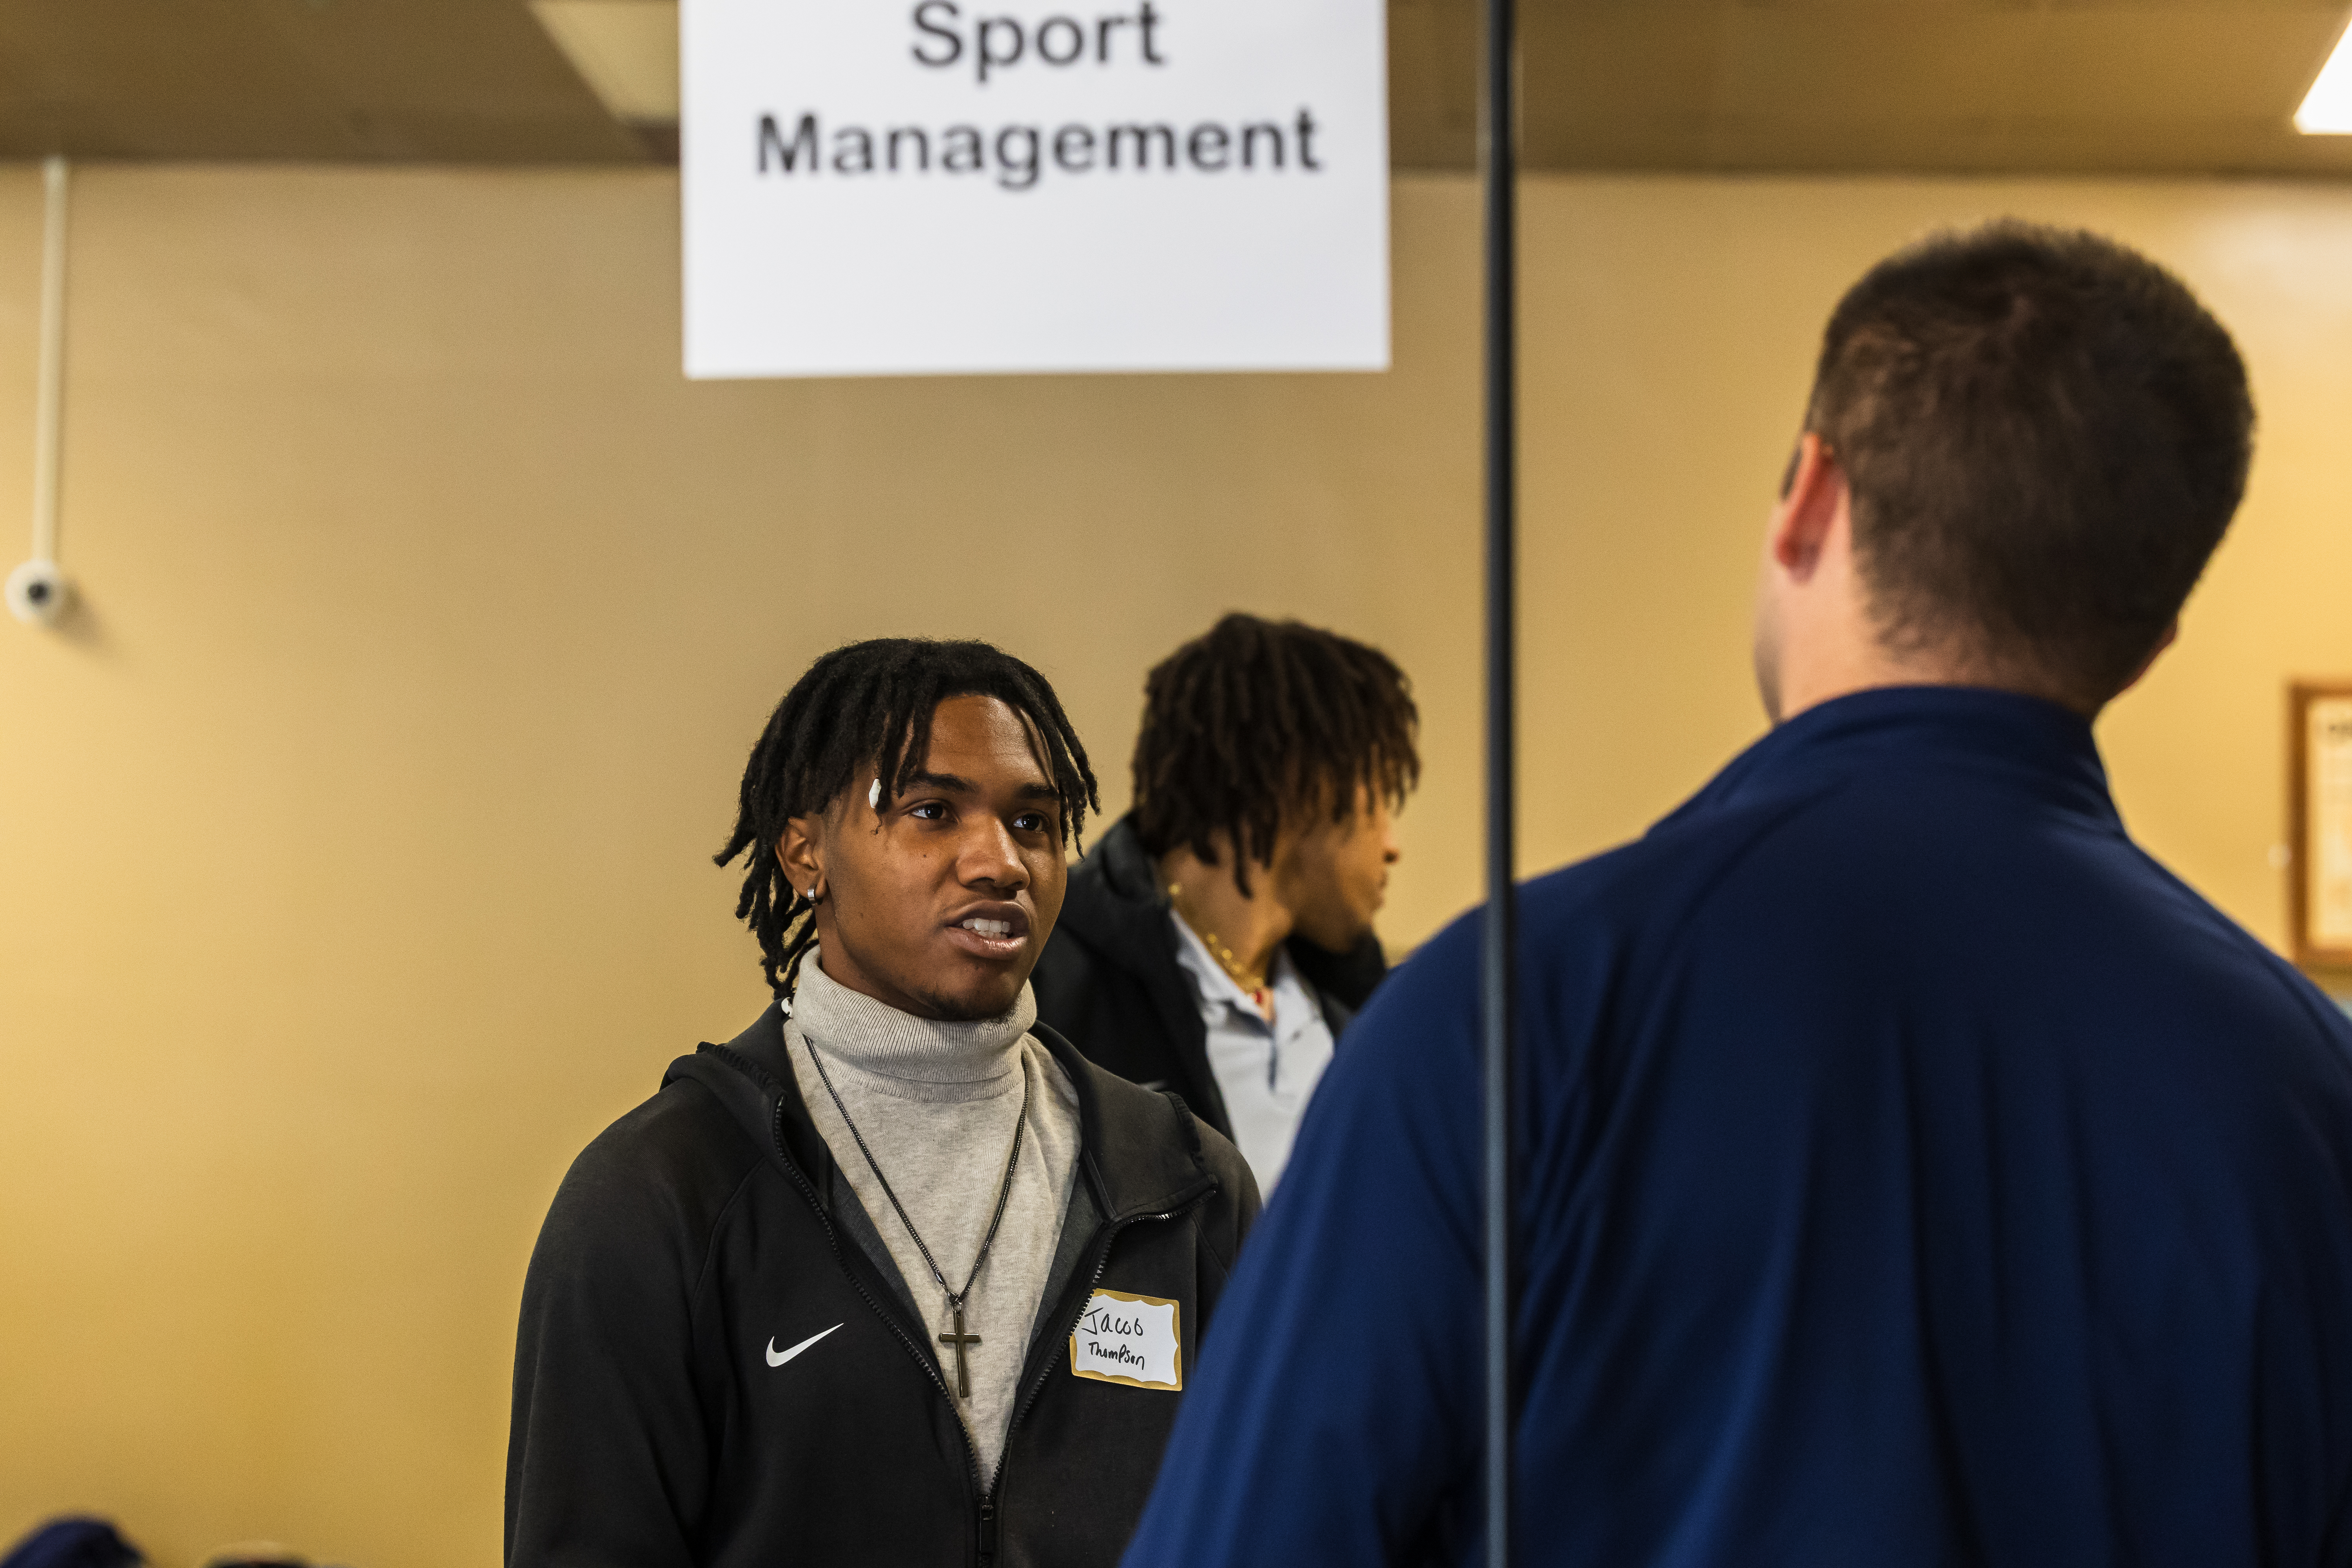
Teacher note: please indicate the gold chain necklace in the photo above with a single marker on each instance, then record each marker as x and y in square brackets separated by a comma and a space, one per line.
[1232, 965]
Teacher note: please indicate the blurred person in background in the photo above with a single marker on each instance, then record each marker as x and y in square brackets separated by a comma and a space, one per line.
[1219, 939]
[1910, 1169]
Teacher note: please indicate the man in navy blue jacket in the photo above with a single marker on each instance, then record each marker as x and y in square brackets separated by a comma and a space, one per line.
[1913, 1171]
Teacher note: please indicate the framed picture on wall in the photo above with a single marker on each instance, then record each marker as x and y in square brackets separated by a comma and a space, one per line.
[2319, 814]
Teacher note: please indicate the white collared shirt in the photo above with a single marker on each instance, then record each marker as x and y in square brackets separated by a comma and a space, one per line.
[1265, 1070]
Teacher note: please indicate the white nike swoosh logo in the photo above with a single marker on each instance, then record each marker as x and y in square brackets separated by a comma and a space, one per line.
[778, 1358]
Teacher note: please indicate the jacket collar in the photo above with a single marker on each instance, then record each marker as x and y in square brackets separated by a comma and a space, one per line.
[1116, 907]
[1142, 1147]
[1140, 1150]
[1116, 910]
[2005, 740]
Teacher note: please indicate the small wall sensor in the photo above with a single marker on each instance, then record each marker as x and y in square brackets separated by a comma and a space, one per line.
[38, 593]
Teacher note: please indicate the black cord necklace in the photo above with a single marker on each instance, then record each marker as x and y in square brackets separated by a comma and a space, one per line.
[1005, 1196]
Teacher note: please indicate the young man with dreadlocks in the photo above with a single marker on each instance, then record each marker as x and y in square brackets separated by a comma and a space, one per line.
[896, 1276]
[1220, 936]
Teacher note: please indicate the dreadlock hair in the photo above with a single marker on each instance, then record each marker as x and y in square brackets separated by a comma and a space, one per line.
[1261, 723]
[870, 704]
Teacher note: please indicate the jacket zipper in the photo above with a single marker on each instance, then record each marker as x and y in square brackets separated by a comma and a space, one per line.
[988, 1505]
[988, 1516]
[922, 1358]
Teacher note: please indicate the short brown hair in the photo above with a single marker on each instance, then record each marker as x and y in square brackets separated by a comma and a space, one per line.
[2044, 434]
[1258, 721]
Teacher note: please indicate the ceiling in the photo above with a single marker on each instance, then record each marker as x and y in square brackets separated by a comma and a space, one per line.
[367, 81]
[2023, 86]
[2156, 86]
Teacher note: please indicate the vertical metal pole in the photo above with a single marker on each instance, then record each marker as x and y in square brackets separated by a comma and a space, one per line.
[1502, 494]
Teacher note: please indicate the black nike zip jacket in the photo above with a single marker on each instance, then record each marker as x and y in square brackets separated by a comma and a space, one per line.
[660, 1421]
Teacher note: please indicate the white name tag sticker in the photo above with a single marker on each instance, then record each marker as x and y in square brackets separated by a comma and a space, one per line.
[1132, 1340]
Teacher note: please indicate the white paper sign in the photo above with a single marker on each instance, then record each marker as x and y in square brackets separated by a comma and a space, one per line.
[1128, 1339]
[910, 186]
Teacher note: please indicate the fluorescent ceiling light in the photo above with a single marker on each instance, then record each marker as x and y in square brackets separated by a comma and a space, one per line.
[2327, 108]
[626, 50]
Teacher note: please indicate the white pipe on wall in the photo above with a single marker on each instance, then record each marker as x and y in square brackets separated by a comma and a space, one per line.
[37, 591]
[49, 428]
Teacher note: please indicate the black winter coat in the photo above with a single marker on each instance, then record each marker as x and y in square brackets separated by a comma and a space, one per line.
[655, 1428]
[1109, 980]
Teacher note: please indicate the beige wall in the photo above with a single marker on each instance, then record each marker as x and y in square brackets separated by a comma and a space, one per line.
[354, 847]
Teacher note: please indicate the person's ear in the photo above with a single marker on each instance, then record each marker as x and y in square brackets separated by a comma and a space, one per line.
[1811, 499]
[800, 854]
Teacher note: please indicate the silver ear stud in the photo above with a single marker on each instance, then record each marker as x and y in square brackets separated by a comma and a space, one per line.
[873, 796]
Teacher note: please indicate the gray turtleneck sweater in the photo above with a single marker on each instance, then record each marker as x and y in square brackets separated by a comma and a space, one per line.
[937, 1104]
